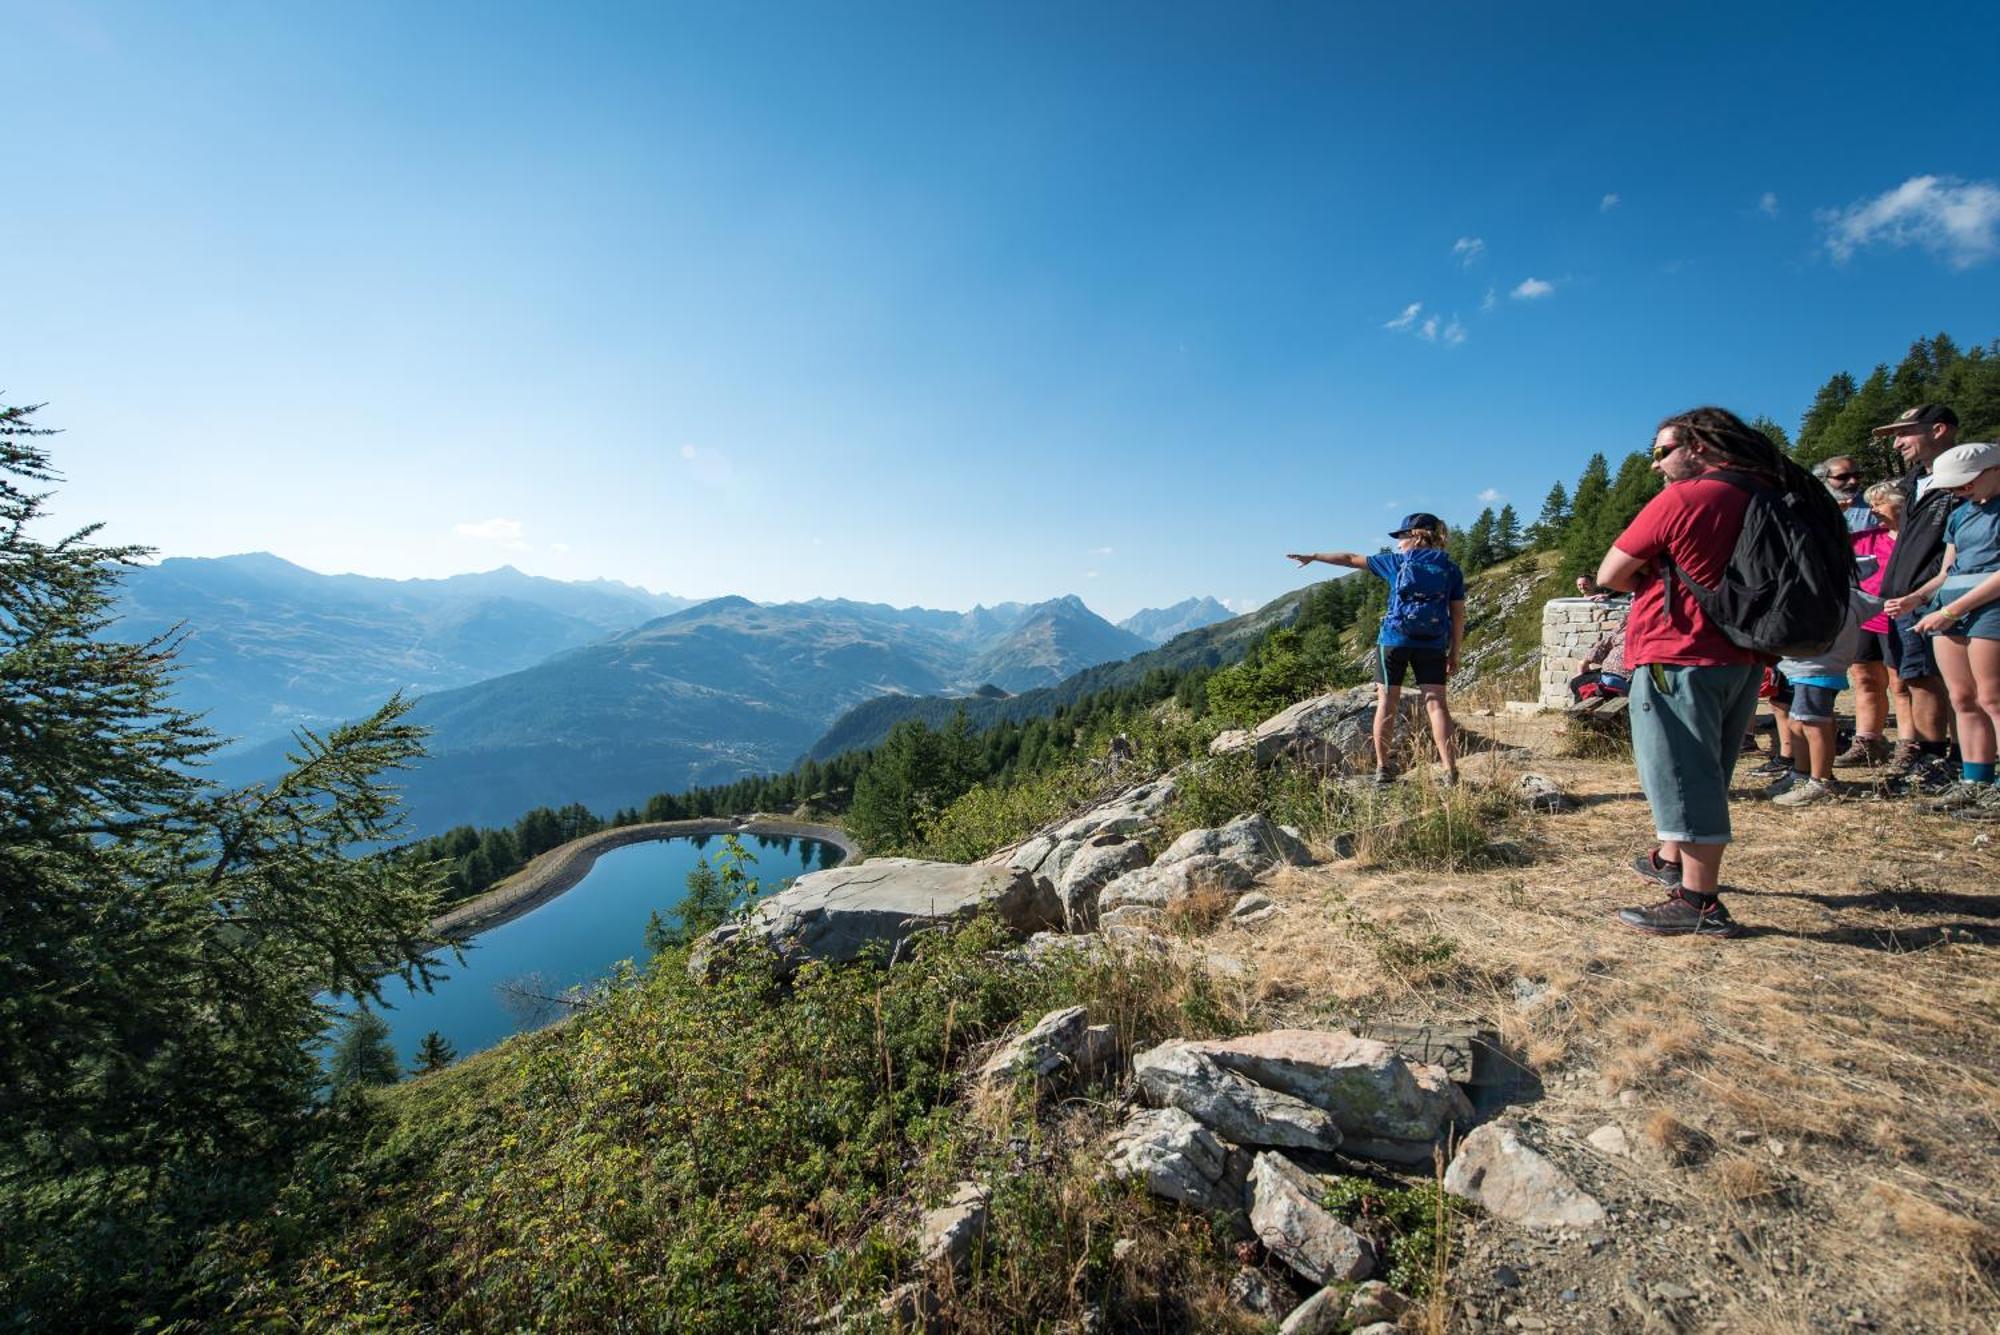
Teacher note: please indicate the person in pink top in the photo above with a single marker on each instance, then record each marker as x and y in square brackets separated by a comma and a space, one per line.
[1869, 677]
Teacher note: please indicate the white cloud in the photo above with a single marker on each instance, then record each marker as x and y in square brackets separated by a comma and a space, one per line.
[505, 532]
[710, 467]
[1100, 551]
[1407, 318]
[1608, 203]
[1490, 495]
[1468, 249]
[1531, 288]
[1428, 330]
[1090, 574]
[1492, 299]
[1768, 204]
[1454, 333]
[1956, 220]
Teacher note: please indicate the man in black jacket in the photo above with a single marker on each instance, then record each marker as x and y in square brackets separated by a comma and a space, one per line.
[1921, 435]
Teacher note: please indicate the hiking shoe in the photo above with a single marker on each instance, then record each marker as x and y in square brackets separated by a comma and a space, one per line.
[1804, 792]
[1870, 751]
[1772, 768]
[1677, 915]
[1652, 867]
[1931, 776]
[1781, 785]
[1963, 796]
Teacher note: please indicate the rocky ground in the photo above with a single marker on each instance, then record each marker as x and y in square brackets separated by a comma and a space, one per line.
[1790, 1131]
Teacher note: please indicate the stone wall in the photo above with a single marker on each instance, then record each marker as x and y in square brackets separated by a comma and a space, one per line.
[1570, 626]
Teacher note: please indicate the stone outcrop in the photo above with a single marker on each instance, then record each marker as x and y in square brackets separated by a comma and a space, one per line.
[1318, 1315]
[1285, 1211]
[1178, 1158]
[1386, 1107]
[1538, 792]
[1175, 1075]
[950, 1232]
[838, 914]
[1045, 858]
[1251, 842]
[1332, 733]
[1375, 1301]
[1096, 862]
[1161, 887]
[1063, 1045]
[1501, 1173]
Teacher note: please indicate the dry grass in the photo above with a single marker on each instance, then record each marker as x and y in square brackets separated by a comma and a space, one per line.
[1854, 1025]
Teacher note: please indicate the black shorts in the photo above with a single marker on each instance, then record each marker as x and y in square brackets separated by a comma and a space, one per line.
[1428, 664]
[1870, 649]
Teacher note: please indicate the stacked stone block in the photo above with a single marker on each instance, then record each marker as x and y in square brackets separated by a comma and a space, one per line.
[1570, 626]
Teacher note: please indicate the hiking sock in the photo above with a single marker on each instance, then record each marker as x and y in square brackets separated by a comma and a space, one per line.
[1702, 903]
[1976, 771]
[1939, 749]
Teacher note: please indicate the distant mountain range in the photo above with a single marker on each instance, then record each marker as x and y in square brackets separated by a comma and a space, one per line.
[1216, 644]
[539, 692]
[271, 646]
[1160, 624]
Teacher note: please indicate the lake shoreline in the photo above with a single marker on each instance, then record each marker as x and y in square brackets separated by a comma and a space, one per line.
[562, 867]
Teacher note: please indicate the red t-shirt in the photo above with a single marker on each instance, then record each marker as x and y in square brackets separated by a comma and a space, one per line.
[1694, 522]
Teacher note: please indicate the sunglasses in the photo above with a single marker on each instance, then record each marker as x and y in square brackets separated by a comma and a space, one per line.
[1662, 451]
[1843, 477]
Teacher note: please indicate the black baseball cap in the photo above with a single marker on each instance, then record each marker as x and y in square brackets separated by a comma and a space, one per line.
[1416, 521]
[1922, 416]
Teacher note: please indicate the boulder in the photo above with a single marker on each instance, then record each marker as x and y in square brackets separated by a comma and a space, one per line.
[1610, 1139]
[1538, 792]
[1498, 1171]
[950, 1232]
[1175, 1075]
[1285, 1210]
[837, 914]
[1164, 886]
[1097, 861]
[1229, 742]
[1333, 732]
[1254, 1291]
[1178, 1158]
[1317, 1315]
[1050, 1049]
[1131, 812]
[1386, 1107]
[1375, 1301]
[1251, 841]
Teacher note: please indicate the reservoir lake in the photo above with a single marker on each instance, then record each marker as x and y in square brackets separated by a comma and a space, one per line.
[573, 940]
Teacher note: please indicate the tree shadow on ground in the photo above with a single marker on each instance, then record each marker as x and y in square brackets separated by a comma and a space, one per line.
[1888, 940]
[1891, 899]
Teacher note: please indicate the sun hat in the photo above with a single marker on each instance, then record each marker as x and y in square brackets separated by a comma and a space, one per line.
[1962, 463]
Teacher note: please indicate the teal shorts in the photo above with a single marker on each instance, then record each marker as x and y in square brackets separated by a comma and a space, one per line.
[1687, 730]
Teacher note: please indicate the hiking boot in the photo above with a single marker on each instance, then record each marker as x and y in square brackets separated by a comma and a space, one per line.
[1804, 791]
[1931, 776]
[1868, 751]
[1781, 785]
[1677, 915]
[1772, 768]
[1652, 867]
[1962, 796]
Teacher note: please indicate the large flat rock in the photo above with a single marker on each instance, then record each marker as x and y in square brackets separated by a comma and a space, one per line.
[1385, 1106]
[837, 915]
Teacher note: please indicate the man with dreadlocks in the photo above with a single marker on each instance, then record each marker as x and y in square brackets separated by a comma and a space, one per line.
[1694, 688]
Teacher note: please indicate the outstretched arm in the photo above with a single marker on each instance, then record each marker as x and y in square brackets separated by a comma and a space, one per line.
[1353, 560]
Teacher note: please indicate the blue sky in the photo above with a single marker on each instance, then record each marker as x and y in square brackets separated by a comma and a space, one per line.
[940, 304]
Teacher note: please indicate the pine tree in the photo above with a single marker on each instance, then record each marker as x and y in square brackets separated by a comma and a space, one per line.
[433, 1054]
[362, 1053]
[163, 941]
[1507, 534]
[1479, 542]
[1548, 527]
[1774, 431]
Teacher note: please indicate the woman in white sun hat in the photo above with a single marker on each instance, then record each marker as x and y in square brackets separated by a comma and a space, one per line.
[1962, 603]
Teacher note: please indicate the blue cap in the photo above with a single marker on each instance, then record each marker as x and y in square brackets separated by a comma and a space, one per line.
[1416, 521]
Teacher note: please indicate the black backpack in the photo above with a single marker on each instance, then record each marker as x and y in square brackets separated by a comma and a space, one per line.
[1785, 589]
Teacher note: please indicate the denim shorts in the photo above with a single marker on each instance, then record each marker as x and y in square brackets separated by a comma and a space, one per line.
[1908, 652]
[1813, 704]
[1687, 730]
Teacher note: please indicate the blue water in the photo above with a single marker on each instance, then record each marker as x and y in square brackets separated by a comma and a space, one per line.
[573, 940]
